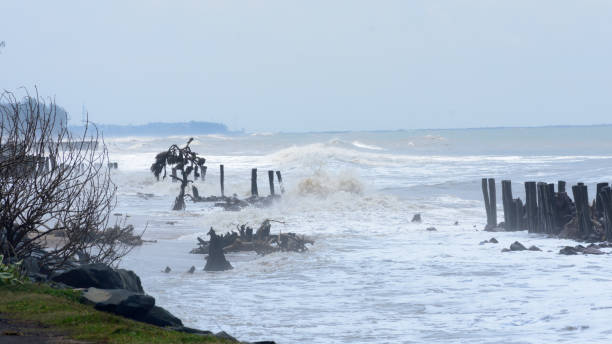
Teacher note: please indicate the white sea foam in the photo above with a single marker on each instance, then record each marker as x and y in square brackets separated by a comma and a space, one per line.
[373, 275]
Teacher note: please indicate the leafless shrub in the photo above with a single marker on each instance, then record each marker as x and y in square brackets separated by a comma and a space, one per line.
[53, 181]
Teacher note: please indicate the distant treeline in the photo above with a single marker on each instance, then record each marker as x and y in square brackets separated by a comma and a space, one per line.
[160, 129]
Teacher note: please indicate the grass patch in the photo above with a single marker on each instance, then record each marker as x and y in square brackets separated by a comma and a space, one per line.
[60, 311]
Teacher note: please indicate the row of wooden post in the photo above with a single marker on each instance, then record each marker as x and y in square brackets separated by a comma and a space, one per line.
[254, 190]
[539, 213]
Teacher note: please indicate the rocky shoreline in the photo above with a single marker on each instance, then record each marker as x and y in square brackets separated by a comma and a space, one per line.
[117, 291]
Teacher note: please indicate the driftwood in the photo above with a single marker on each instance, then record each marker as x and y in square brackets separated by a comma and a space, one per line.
[262, 241]
[233, 203]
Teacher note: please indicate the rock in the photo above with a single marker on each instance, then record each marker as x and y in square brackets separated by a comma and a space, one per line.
[192, 330]
[534, 248]
[224, 335]
[431, 229]
[160, 317]
[119, 301]
[483, 242]
[456, 223]
[216, 258]
[505, 250]
[517, 246]
[592, 250]
[167, 269]
[191, 270]
[416, 218]
[493, 241]
[568, 250]
[100, 276]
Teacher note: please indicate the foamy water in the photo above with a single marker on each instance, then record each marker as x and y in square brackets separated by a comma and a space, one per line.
[372, 275]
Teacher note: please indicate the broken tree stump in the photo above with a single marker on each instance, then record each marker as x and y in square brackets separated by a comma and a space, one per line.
[216, 258]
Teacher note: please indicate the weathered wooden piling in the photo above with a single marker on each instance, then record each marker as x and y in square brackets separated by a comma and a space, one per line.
[561, 186]
[604, 197]
[583, 212]
[509, 206]
[222, 179]
[271, 181]
[532, 207]
[280, 181]
[493, 200]
[485, 194]
[519, 214]
[254, 182]
[598, 205]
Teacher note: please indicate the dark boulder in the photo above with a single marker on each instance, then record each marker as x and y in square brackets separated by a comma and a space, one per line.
[160, 317]
[568, 250]
[416, 218]
[119, 301]
[517, 246]
[493, 241]
[431, 229]
[534, 248]
[226, 336]
[100, 276]
[592, 250]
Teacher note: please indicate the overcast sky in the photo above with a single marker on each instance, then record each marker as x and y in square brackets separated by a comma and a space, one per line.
[316, 65]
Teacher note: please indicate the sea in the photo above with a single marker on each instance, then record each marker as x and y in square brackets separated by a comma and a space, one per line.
[372, 275]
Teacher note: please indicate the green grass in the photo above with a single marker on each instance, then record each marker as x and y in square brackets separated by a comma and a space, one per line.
[61, 312]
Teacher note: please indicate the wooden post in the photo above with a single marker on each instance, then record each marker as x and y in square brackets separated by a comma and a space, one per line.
[493, 200]
[222, 179]
[519, 213]
[532, 207]
[280, 181]
[485, 194]
[508, 204]
[598, 206]
[271, 181]
[605, 198]
[552, 213]
[586, 211]
[254, 182]
[561, 186]
[543, 218]
[203, 172]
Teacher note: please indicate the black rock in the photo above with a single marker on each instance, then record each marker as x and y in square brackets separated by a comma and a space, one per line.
[534, 248]
[167, 269]
[592, 250]
[431, 229]
[191, 270]
[160, 317]
[493, 241]
[416, 218]
[192, 330]
[517, 246]
[100, 276]
[505, 250]
[568, 250]
[225, 335]
[119, 301]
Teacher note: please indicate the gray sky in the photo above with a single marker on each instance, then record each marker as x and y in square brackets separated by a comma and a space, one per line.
[316, 65]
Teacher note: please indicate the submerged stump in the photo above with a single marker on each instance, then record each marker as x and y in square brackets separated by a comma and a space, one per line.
[216, 258]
